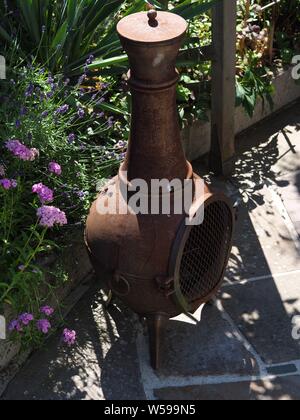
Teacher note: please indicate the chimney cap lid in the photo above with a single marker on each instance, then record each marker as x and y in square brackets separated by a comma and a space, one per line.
[152, 27]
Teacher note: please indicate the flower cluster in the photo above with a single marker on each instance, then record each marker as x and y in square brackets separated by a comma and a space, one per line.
[69, 337]
[55, 168]
[45, 194]
[22, 321]
[47, 310]
[42, 325]
[8, 184]
[50, 216]
[21, 151]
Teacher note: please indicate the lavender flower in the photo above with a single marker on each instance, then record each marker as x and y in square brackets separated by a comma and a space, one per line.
[50, 216]
[62, 110]
[25, 319]
[45, 194]
[90, 60]
[81, 113]
[23, 111]
[21, 151]
[47, 310]
[55, 168]
[81, 194]
[121, 144]
[45, 114]
[43, 325]
[110, 122]
[8, 184]
[121, 156]
[29, 91]
[82, 79]
[18, 124]
[71, 138]
[69, 337]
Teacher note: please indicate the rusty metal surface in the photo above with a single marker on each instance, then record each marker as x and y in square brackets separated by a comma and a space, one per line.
[146, 259]
[152, 27]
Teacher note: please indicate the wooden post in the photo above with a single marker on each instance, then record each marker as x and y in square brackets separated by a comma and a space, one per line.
[223, 87]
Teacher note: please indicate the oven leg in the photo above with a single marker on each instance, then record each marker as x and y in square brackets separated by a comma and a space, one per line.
[156, 325]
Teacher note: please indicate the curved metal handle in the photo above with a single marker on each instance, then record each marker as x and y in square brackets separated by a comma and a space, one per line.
[119, 285]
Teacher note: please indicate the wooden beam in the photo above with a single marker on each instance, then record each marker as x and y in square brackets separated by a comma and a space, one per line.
[223, 87]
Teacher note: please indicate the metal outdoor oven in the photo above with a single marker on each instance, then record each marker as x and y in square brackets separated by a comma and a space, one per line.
[156, 264]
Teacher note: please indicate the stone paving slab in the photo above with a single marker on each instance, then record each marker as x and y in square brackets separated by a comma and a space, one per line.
[263, 310]
[209, 348]
[287, 388]
[103, 364]
[290, 195]
[262, 243]
[272, 148]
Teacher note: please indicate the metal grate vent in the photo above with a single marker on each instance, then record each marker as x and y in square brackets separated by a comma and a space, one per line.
[205, 253]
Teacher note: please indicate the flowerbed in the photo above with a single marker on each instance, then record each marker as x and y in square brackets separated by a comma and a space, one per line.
[52, 157]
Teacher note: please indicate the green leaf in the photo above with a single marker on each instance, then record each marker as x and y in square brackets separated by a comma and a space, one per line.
[189, 9]
[113, 109]
[240, 94]
[122, 59]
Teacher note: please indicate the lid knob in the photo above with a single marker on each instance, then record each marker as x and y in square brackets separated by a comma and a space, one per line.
[152, 15]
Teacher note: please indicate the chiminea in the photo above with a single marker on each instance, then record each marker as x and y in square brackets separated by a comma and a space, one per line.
[156, 263]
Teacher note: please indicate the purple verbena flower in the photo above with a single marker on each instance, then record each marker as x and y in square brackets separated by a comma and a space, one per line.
[8, 184]
[50, 216]
[25, 319]
[69, 337]
[45, 194]
[21, 151]
[43, 325]
[55, 168]
[15, 326]
[47, 310]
